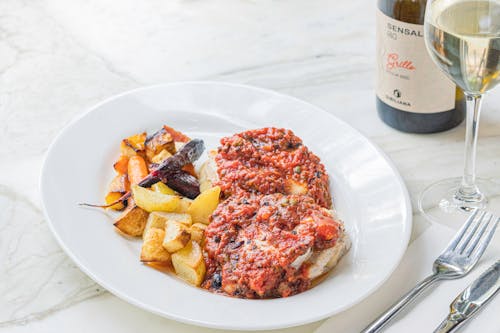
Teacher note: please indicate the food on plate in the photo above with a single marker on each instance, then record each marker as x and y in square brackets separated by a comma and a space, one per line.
[256, 221]
[197, 232]
[203, 206]
[189, 263]
[273, 233]
[262, 246]
[152, 248]
[152, 201]
[266, 161]
[176, 236]
[132, 221]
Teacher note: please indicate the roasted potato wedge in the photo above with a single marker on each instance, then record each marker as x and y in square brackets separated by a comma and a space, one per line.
[204, 205]
[176, 236]
[189, 264]
[121, 165]
[159, 219]
[152, 248]
[161, 156]
[136, 142]
[197, 231]
[155, 220]
[132, 221]
[184, 205]
[133, 145]
[119, 184]
[112, 197]
[154, 201]
[162, 188]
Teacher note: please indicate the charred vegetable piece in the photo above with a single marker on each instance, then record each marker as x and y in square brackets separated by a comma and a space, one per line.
[169, 169]
[183, 183]
[159, 141]
[189, 153]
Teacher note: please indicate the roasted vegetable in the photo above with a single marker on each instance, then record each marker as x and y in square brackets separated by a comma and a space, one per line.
[162, 188]
[183, 183]
[159, 141]
[176, 236]
[152, 248]
[189, 153]
[121, 165]
[112, 197]
[133, 145]
[132, 221]
[153, 201]
[189, 264]
[197, 231]
[204, 205]
[119, 184]
[137, 169]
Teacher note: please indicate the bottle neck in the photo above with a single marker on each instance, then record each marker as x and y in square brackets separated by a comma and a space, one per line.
[409, 11]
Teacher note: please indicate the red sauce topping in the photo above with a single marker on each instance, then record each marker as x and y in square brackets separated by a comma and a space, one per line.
[271, 160]
[253, 240]
[263, 226]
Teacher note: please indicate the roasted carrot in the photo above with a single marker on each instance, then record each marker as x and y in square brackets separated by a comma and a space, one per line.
[137, 169]
[121, 166]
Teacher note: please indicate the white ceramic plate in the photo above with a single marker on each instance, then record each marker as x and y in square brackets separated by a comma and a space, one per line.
[368, 193]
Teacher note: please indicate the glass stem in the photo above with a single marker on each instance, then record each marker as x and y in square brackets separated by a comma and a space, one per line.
[468, 191]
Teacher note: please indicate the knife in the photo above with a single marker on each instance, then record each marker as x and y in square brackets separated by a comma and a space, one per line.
[471, 299]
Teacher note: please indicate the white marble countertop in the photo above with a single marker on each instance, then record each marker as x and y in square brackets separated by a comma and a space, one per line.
[58, 57]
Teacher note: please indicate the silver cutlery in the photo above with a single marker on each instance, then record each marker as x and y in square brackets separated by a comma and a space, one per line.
[461, 255]
[472, 299]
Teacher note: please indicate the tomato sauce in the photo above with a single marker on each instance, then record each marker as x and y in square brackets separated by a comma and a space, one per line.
[266, 161]
[261, 227]
[253, 240]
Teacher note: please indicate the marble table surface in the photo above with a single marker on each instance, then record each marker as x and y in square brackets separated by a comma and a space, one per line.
[59, 57]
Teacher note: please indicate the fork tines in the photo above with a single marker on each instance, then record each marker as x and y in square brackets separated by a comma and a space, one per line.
[475, 234]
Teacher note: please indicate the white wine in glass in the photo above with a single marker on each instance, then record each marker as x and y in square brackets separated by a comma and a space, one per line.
[463, 39]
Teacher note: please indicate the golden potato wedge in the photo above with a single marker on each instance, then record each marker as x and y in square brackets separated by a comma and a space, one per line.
[162, 188]
[152, 248]
[119, 184]
[126, 150]
[161, 156]
[176, 236]
[184, 205]
[158, 220]
[112, 197]
[197, 231]
[189, 264]
[136, 142]
[204, 205]
[132, 221]
[155, 220]
[154, 201]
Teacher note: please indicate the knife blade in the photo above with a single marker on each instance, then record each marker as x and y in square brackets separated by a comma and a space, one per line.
[472, 299]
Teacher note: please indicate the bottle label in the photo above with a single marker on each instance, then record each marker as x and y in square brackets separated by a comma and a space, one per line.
[407, 78]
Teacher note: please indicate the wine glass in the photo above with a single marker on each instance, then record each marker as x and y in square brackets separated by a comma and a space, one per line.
[463, 39]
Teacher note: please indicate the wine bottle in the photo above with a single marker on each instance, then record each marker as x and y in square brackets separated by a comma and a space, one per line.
[413, 95]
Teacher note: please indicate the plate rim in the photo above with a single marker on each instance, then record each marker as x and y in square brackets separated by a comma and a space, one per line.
[408, 225]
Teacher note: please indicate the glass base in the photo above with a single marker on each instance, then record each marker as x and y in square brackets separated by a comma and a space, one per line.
[439, 203]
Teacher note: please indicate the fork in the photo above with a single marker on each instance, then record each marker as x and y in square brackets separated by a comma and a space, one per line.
[458, 259]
